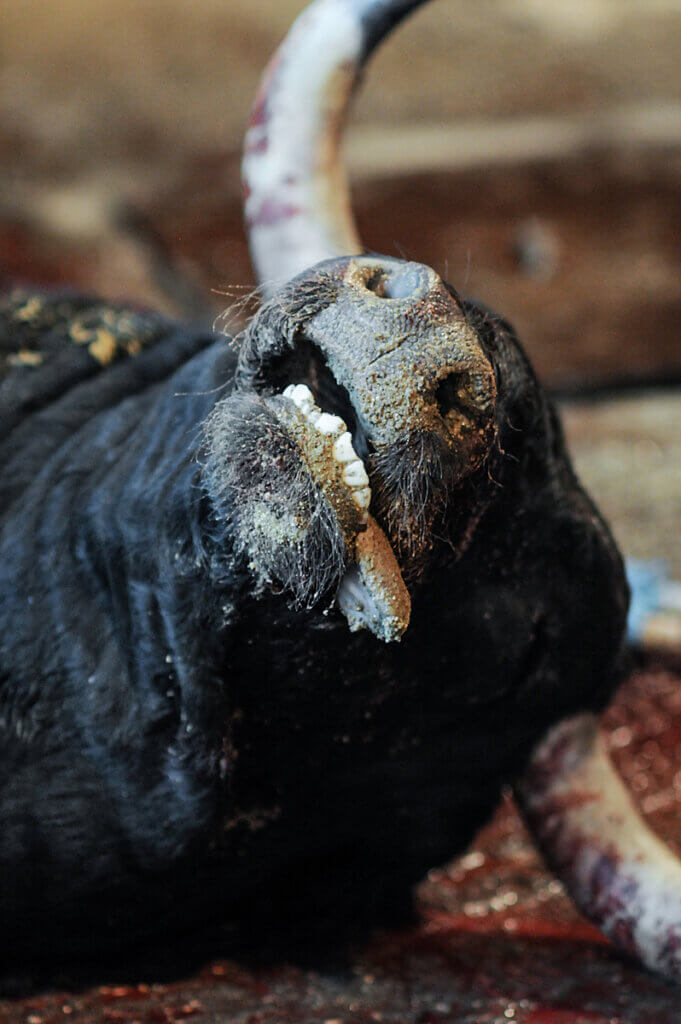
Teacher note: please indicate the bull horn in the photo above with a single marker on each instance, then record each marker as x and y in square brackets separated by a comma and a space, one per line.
[296, 198]
[618, 872]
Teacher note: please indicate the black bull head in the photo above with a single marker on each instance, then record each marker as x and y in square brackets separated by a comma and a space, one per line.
[201, 558]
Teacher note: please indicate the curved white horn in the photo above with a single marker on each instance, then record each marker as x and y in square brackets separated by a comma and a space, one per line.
[296, 198]
[617, 871]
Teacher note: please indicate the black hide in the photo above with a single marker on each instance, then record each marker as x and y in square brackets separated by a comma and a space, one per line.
[185, 739]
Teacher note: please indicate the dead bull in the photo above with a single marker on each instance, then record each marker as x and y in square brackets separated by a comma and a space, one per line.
[199, 554]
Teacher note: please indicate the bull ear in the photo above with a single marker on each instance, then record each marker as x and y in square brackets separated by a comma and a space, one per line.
[619, 874]
[297, 203]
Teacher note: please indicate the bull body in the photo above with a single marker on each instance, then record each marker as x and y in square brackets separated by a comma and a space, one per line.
[184, 739]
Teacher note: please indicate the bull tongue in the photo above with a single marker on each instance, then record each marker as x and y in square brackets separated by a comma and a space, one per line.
[617, 871]
[372, 594]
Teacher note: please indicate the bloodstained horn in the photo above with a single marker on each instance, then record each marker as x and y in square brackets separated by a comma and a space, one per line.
[298, 213]
[296, 197]
[617, 871]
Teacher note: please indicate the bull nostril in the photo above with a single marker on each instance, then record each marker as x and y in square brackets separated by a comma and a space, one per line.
[374, 281]
[404, 284]
[399, 281]
[453, 395]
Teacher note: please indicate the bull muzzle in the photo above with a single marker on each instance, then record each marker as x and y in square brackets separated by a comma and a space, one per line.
[398, 341]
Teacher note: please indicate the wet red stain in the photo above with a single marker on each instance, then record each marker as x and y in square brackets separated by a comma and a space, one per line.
[256, 143]
[571, 801]
[260, 113]
[272, 211]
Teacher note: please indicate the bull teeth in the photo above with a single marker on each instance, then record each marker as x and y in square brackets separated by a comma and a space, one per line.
[328, 424]
[343, 450]
[355, 474]
[362, 497]
[302, 397]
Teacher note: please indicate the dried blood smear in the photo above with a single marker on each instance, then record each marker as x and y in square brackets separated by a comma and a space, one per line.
[497, 940]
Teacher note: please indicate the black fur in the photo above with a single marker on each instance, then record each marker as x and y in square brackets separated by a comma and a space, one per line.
[182, 739]
[254, 472]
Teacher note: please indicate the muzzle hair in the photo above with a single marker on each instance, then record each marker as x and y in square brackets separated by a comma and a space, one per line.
[277, 324]
[413, 481]
[282, 525]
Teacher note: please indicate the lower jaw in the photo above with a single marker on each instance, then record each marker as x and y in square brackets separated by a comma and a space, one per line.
[372, 594]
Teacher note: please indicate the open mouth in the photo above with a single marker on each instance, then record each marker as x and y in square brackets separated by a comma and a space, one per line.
[345, 459]
[372, 594]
